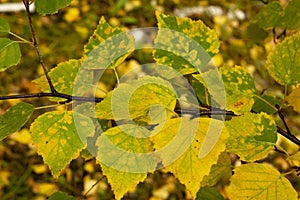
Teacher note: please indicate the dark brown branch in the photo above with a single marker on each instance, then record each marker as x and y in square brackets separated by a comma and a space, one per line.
[197, 113]
[290, 137]
[68, 98]
[35, 44]
[282, 119]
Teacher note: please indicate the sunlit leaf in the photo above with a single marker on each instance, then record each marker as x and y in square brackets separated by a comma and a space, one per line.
[122, 153]
[188, 138]
[259, 181]
[10, 53]
[270, 16]
[295, 159]
[108, 47]
[63, 77]
[291, 16]
[60, 196]
[284, 63]
[219, 170]
[138, 99]
[252, 136]
[183, 44]
[237, 83]
[45, 7]
[59, 139]
[14, 118]
[4, 26]
[293, 99]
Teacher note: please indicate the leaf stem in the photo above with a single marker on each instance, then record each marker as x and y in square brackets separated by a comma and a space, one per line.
[20, 38]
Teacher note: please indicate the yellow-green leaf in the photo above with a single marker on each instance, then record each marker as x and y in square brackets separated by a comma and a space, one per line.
[252, 136]
[60, 136]
[122, 182]
[188, 138]
[283, 64]
[293, 99]
[63, 77]
[108, 47]
[237, 83]
[14, 118]
[149, 98]
[184, 44]
[261, 182]
[123, 155]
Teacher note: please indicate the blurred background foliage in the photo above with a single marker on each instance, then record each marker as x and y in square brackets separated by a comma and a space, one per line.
[62, 36]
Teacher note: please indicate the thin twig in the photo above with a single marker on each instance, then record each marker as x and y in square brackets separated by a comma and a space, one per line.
[213, 111]
[282, 119]
[35, 44]
[85, 194]
[68, 98]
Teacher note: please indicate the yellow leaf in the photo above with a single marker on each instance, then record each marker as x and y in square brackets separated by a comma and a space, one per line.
[199, 143]
[23, 136]
[293, 99]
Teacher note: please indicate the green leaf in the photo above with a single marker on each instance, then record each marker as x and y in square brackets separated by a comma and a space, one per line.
[219, 170]
[265, 103]
[188, 139]
[108, 47]
[63, 77]
[256, 33]
[293, 99]
[148, 95]
[61, 195]
[14, 118]
[252, 136]
[4, 26]
[60, 136]
[291, 16]
[10, 53]
[207, 193]
[122, 153]
[45, 7]
[270, 16]
[283, 64]
[259, 181]
[183, 44]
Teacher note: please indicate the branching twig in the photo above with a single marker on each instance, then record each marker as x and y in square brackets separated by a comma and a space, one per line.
[68, 98]
[282, 119]
[85, 194]
[197, 113]
[35, 44]
[290, 137]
